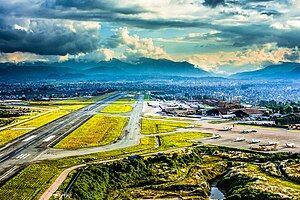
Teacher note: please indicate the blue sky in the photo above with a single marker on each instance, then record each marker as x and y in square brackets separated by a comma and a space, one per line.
[223, 36]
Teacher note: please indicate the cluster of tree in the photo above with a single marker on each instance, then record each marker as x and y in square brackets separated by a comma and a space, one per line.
[7, 112]
[108, 181]
[282, 108]
[290, 119]
[237, 187]
[111, 180]
[5, 122]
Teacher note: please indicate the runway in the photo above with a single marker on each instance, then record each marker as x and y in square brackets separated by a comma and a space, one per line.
[26, 148]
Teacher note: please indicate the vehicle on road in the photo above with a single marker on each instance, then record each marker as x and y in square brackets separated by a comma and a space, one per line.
[133, 157]
[238, 139]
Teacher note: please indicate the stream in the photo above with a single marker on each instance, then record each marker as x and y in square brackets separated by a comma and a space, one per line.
[215, 193]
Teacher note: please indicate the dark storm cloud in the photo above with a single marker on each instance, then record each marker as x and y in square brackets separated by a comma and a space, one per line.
[213, 3]
[100, 5]
[60, 40]
[47, 38]
[258, 34]
[293, 56]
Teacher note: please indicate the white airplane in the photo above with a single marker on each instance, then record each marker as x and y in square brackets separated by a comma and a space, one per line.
[239, 139]
[226, 128]
[249, 131]
[290, 145]
[216, 136]
[272, 143]
[255, 141]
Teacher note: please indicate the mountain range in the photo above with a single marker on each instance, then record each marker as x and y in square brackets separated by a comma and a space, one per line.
[142, 68]
[285, 70]
[114, 67]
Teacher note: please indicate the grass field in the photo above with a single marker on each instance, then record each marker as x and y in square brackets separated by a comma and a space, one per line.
[171, 118]
[179, 140]
[122, 105]
[99, 130]
[117, 109]
[160, 126]
[10, 134]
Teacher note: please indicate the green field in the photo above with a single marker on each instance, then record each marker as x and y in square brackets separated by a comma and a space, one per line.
[179, 140]
[99, 130]
[122, 105]
[9, 134]
[117, 109]
[171, 118]
[160, 126]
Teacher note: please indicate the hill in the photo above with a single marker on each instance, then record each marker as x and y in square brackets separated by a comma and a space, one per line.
[285, 70]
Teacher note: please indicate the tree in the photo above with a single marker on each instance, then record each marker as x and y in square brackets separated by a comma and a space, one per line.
[289, 110]
[295, 109]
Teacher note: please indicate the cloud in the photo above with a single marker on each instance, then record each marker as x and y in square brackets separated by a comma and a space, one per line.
[244, 60]
[214, 3]
[48, 37]
[96, 56]
[70, 28]
[17, 57]
[135, 47]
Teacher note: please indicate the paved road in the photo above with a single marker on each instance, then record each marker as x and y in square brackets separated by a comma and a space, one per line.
[26, 148]
[130, 137]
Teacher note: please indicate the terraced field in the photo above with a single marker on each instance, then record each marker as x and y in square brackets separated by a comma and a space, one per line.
[99, 130]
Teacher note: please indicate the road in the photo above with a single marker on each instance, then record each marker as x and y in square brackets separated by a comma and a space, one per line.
[26, 148]
[130, 137]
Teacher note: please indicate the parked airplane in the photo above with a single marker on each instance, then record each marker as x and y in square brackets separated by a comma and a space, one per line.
[226, 128]
[239, 139]
[249, 131]
[290, 145]
[255, 141]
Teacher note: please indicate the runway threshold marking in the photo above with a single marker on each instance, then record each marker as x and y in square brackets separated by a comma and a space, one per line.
[23, 156]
